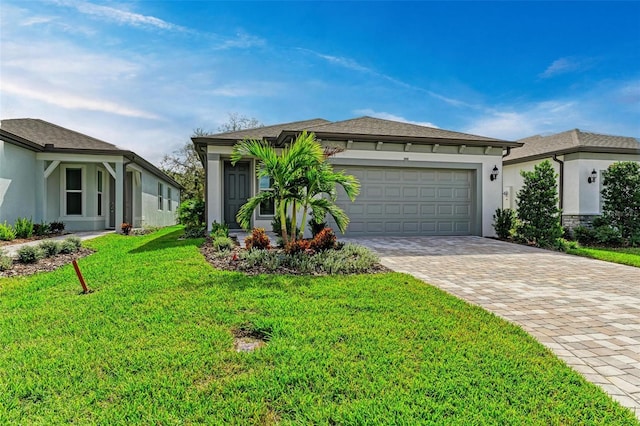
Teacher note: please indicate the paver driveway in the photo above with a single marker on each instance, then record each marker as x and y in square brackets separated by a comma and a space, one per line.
[586, 311]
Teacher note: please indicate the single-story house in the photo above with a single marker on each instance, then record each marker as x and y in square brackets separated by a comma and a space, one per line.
[579, 158]
[49, 173]
[415, 180]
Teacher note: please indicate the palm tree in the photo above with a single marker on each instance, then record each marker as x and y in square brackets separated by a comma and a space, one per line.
[300, 176]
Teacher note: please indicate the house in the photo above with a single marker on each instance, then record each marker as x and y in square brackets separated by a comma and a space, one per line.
[415, 180]
[49, 173]
[579, 158]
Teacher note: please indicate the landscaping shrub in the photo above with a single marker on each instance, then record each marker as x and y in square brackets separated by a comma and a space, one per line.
[76, 241]
[56, 227]
[316, 226]
[221, 243]
[504, 221]
[49, 248]
[5, 261]
[41, 229]
[67, 247]
[621, 198]
[257, 240]
[219, 229]
[6, 232]
[565, 245]
[191, 213]
[297, 246]
[29, 254]
[194, 232]
[23, 227]
[584, 235]
[324, 240]
[608, 235]
[538, 210]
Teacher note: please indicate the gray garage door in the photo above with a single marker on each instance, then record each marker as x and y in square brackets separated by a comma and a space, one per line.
[410, 201]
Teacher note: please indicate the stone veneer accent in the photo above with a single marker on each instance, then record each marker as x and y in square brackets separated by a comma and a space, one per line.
[574, 220]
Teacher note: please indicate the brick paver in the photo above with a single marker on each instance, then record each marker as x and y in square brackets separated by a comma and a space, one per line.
[584, 310]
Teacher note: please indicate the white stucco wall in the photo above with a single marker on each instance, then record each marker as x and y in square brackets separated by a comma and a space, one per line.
[580, 197]
[18, 189]
[150, 215]
[489, 200]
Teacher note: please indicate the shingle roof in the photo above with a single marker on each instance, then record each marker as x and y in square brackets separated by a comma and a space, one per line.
[42, 132]
[379, 127]
[571, 141]
[268, 131]
[36, 134]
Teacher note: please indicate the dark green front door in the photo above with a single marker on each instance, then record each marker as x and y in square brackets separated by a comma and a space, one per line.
[236, 190]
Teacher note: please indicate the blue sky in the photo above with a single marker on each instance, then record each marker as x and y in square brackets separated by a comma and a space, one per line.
[144, 74]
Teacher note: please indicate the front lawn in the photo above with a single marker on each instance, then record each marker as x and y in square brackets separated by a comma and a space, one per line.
[154, 345]
[625, 256]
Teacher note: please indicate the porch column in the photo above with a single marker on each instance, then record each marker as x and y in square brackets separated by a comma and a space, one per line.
[119, 202]
[214, 186]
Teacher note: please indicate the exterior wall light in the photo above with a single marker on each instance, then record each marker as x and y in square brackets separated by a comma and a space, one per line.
[494, 173]
[592, 177]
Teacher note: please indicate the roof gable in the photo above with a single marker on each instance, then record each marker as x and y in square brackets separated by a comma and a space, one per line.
[42, 133]
[571, 141]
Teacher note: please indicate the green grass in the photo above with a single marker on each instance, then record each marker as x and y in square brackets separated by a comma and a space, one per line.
[153, 345]
[625, 256]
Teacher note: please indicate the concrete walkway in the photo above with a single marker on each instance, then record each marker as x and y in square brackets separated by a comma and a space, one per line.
[12, 249]
[586, 311]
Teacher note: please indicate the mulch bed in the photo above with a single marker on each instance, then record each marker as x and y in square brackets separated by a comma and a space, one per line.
[228, 263]
[44, 265]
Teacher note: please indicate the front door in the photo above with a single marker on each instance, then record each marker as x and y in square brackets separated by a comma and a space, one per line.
[237, 186]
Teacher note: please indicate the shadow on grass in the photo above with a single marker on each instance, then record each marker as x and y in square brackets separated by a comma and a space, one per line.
[167, 241]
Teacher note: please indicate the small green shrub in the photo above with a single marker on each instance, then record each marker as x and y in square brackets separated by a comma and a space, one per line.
[221, 243]
[504, 221]
[29, 254]
[324, 240]
[67, 247]
[41, 229]
[56, 227]
[191, 213]
[194, 231]
[23, 227]
[565, 245]
[5, 261]
[257, 240]
[351, 259]
[49, 248]
[6, 232]
[584, 235]
[567, 233]
[75, 241]
[268, 259]
[219, 229]
[608, 235]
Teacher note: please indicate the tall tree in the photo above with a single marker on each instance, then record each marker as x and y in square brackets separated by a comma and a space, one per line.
[621, 198]
[184, 165]
[538, 206]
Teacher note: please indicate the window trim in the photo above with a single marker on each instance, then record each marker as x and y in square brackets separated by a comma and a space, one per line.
[266, 215]
[160, 196]
[82, 190]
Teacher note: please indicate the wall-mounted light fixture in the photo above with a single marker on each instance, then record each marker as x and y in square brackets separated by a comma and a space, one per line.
[592, 177]
[494, 173]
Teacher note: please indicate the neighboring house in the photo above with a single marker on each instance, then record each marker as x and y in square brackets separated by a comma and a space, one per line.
[49, 173]
[579, 158]
[415, 180]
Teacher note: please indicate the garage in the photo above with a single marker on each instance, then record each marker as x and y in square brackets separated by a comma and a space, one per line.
[410, 201]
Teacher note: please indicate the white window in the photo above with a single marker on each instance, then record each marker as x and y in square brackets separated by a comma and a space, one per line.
[73, 191]
[267, 208]
[100, 183]
[169, 198]
[160, 202]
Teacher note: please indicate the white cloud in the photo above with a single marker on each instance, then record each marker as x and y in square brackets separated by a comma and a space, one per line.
[71, 101]
[393, 117]
[121, 17]
[37, 20]
[248, 89]
[566, 65]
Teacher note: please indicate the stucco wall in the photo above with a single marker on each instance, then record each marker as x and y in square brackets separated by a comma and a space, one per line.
[18, 176]
[488, 202]
[150, 214]
[579, 196]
